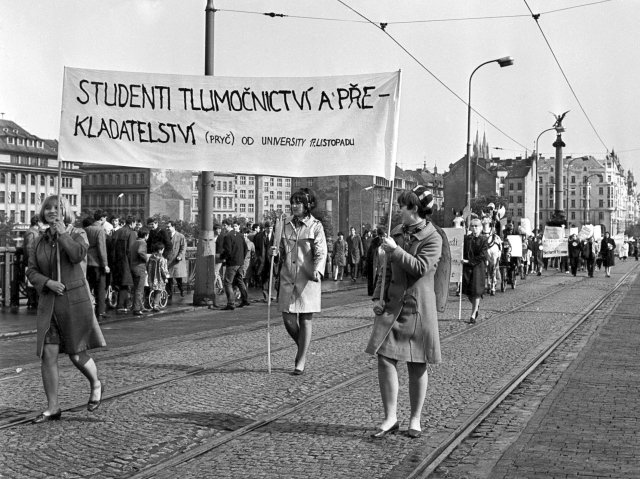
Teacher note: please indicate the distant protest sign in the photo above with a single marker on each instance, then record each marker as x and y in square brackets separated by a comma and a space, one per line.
[554, 243]
[515, 242]
[586, 232]
[315, 126]
[456, 242]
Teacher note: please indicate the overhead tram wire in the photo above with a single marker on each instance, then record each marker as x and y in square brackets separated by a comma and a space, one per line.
[382, 27]
[536, 18]
[406, 22]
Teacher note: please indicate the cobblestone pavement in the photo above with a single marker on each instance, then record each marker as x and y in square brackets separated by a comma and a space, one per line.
[229, 388]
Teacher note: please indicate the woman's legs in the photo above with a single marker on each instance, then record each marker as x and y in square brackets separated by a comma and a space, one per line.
[475, 305]
[49, 370]
[299, 327]
[388, 381]
[304, 340]
[87, 367]
[418, 381]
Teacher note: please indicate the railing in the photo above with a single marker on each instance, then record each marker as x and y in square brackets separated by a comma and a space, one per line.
[12, 279]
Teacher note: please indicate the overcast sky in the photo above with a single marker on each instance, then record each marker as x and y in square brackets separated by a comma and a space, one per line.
[595, 44]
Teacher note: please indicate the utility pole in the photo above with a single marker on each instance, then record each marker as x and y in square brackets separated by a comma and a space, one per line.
[204, 291]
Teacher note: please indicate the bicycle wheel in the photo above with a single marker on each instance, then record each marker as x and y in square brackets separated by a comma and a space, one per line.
[164, 298]
[112, 297]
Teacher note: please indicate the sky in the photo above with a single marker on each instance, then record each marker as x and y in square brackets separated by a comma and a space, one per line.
[436, 45]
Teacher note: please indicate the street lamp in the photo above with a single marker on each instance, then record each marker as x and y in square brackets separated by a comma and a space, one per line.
[366, 188]
[503, 62]
[118, 204]
[536, 219]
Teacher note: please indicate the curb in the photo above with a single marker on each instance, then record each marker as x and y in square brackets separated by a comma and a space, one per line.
[177, 309]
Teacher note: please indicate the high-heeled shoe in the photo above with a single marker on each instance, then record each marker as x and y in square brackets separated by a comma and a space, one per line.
[92, 405]
[414, 433]
[380, 433]
[47, 417]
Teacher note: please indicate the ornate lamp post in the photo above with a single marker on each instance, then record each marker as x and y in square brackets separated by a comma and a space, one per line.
[536, 220]
[503, 62]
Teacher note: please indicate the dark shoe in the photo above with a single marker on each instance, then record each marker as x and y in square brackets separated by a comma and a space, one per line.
[137, 313]
[472, 319]
[122, 311]
[244, 303]
[297, 372]
[380, 433]
[414, 433]
[103, 316]
[228, 307]
[539, 273]
[47, 417]
[155, 309]
[92, 405]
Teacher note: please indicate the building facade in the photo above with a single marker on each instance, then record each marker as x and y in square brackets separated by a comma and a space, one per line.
[29, 171]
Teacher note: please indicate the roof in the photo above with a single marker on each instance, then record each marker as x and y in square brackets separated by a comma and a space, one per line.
[10, 129]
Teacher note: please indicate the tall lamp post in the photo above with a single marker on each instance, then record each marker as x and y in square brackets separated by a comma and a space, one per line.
[366, 188]
[118, 204]
[536, 220]
[503, 62]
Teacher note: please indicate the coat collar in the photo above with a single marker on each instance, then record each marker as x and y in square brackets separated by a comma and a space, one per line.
[307, 221]
[419, 235]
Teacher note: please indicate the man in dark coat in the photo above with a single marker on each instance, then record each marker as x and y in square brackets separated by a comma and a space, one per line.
[123, 240]
[234, 251]
[355, 253]
[264, 241]
[97, 261]
[575, 250]
[158, 235]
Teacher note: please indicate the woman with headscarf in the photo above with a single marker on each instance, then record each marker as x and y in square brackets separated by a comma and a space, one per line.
[66, 321]
[406, 322]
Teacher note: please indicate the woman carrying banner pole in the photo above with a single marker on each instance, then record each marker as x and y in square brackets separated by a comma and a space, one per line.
[406, 322]
[302, 254]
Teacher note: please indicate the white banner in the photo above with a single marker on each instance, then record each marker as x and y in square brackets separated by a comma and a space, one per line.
[343, 125]
[456, 243]
[516, 245]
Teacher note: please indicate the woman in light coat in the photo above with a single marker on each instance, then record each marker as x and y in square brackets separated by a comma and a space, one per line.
[176, 259]
[303, 253]
[406, 322]
[66, 321]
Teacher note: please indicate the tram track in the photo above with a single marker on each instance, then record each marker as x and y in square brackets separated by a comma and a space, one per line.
[156, 470]
[216, 443]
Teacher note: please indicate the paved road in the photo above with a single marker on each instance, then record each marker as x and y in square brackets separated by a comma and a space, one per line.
[230, 389]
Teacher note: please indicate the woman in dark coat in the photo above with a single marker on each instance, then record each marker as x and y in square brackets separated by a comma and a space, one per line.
[66, 319]
[474, 267]
[607, 251]
[406, 322]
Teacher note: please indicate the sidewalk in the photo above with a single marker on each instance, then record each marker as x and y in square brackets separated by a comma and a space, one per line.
[24, 322]
[588, 426]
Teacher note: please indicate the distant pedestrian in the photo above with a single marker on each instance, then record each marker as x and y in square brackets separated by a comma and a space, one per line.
[575, 251]
[302, 255]
[30, 237]
[157, 274]
[66, 321]
[176, 260]
[264, 243]
[249, 259]
[473, 267]
[123, 240]
[139, 258]
[339, 256]
[355, 253]
[234, 250]
[589, 254]
[98, 261]
[607, 251]
[624, 251]
[406, 321]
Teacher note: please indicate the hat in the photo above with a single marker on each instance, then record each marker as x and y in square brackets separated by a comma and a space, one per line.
[424, 195]
[492, 206]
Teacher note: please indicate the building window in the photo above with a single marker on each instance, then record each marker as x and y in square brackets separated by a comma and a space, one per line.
[23, 217]
[33, 180]
[33, 198]
[279, 195]
[251, 194]
[243, 194]
[519, 199]
[601, 215]
[67, 182]
[309, 182]
[279, 182]
[573, 215]
[287, 182]
[287, 208]
[3, 197]
[510, 198]
[271, 194]
[519, 186]
[3, 178]
[573, 205]
[13, 178]
[271, 182]
[243, 208]
[250, 208]
[243, 180]
[12, 198]
[510, 186]
[52, 182]
[251, 180]
[519, 211]
[601, 203]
